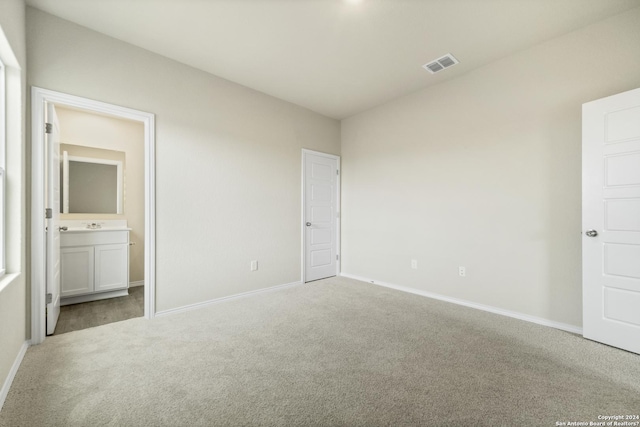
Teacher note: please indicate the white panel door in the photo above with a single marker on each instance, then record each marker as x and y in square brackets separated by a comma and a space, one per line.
[611, 220]
[320, 215]
[53, 232]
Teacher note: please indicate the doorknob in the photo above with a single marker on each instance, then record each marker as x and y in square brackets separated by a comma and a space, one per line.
[591, 233]
[64, 228]
[308, 224]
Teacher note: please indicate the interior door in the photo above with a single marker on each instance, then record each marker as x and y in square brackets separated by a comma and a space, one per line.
[611, 220]
[320, 215]
[52, 163]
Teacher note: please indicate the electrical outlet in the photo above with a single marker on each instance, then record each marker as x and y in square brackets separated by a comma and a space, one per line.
[414, 264]
[462, 271]
[254, 265]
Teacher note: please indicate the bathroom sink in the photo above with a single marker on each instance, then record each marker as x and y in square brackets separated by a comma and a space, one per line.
[83, 226]
[85, 229]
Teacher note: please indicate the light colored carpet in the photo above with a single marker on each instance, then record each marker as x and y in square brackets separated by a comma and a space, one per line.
[331, 353]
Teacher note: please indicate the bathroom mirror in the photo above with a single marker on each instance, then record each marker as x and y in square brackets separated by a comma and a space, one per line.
[91, 185]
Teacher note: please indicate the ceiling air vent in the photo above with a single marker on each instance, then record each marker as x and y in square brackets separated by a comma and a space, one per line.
[440, 64]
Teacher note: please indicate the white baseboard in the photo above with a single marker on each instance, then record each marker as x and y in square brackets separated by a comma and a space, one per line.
[136, 283]
[533, 319]
[93, 297]
[12, 373]
[223, 299]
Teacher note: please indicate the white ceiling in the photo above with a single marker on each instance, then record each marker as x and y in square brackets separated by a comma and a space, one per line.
[335, 57]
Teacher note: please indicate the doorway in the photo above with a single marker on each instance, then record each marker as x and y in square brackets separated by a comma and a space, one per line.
[320, 215]
[100, 264]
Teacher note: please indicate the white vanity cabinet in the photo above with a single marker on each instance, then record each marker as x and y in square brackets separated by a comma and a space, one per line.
[76, 270]
[94, 263]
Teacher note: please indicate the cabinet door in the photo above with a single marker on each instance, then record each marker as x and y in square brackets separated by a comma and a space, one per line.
[76, 270]
[112, 267]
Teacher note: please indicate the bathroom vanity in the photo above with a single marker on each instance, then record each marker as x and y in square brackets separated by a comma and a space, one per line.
[94, 261]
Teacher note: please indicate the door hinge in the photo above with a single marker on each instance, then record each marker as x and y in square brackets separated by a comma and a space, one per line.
[48, 213]
[49, 298]
[337, 172]
[48, 128]
[337, 257]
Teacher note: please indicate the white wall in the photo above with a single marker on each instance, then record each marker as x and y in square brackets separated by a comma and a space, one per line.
[484, 172]
[107, 133]
[227, 159]
[12, 288]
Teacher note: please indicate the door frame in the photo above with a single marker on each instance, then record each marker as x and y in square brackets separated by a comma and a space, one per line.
[338, 214]
[38, 241]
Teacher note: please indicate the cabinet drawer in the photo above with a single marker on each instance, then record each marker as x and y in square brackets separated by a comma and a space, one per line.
[86, 238]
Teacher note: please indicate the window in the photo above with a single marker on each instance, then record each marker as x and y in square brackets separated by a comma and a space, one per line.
[2, 170]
